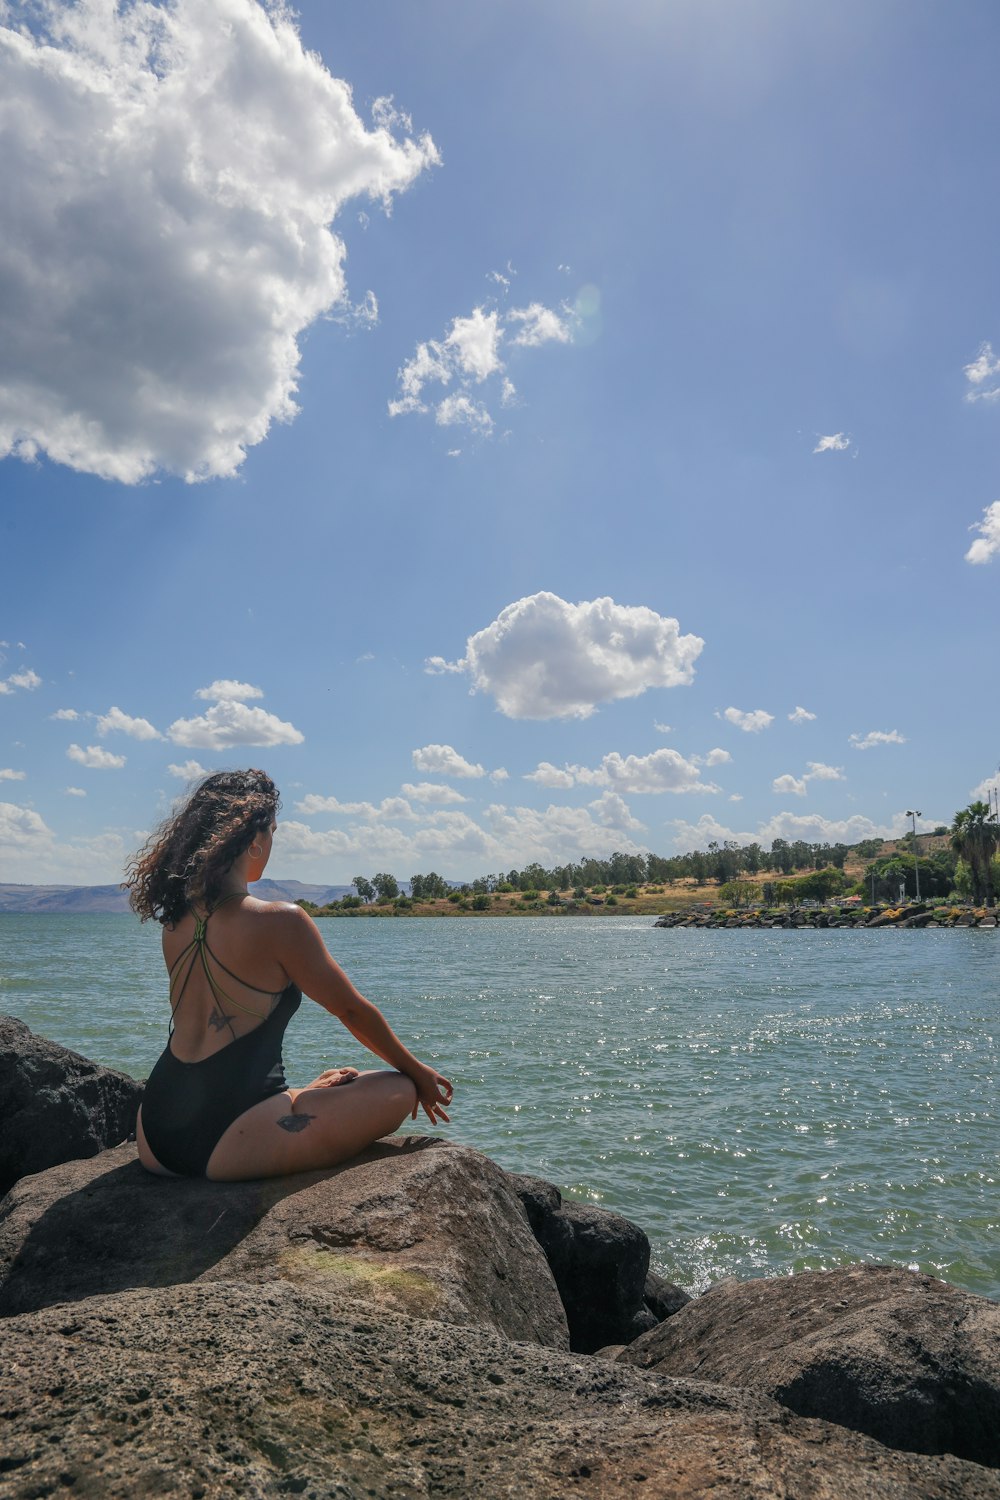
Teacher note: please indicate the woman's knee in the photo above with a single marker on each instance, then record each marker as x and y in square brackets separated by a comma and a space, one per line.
[397, 1089]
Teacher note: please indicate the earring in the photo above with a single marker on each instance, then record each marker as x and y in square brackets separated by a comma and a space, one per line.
[255, 852]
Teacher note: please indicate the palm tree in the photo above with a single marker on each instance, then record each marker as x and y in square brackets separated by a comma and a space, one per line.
[975, 837]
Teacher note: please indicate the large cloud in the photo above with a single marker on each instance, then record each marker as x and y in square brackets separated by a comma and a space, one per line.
[175, 170]
[543, 658]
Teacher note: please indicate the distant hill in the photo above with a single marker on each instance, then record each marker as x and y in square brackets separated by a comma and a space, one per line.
[91, 899]
[62, 898]
[294, 890]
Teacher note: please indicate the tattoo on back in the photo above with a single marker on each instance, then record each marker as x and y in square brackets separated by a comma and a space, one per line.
[294, 1123]
[217, 1020]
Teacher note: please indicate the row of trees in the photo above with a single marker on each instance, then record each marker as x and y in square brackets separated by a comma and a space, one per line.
[968, 865]
[715, 865]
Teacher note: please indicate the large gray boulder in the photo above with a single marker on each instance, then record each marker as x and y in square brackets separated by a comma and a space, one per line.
[903, 1357]
[235, 1392]
[55, 1105]
[414, 1225]
[600, 1262]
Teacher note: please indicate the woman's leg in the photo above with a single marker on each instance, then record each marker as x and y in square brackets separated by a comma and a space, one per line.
[306, 1129]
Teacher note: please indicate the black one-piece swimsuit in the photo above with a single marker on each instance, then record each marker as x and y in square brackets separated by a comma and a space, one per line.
[187, 1107]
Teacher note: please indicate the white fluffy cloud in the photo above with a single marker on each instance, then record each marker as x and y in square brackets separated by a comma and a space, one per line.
[543, 658]
[228, 690]
[661, 771]
[451, 840]
[818, 771]
[95, 758]
[982, 375]
[810, 827]
[27, 680]
[8, 774]
[229, 723]
[21, 828]
[69, 714]
[718, 757]
[877, 737]
[546, 774]
[390, 807]
[189, 770]
[74, 791]
[444, 760]
[468, 356]
[31, 854]
[751, 721]
[555, 835]
[800, 716]
[473, 344]
[460, 411]
[987, 543]
[612, 811]
[835, 443]
[434, 793]
[192, 156]
[115, 721]
[536, 325]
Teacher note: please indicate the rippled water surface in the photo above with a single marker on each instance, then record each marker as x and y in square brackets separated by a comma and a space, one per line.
[759, 1101]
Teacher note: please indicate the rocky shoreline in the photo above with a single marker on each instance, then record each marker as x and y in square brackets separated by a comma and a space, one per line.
[914, 914]
[419, 1322]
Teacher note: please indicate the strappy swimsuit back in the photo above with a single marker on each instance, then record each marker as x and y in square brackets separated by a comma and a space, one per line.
[187, 1107]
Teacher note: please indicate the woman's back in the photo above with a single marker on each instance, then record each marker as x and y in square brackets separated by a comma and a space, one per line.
[224, 978]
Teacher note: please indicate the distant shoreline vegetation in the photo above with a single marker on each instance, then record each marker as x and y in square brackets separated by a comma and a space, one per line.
[955, 866]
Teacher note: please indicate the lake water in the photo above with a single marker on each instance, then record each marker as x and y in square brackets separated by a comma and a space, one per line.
[760, 1102]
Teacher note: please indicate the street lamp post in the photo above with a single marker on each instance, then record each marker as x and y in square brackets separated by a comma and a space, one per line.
[916, 867]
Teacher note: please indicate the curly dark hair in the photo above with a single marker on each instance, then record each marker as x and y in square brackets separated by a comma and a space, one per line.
[186, 859]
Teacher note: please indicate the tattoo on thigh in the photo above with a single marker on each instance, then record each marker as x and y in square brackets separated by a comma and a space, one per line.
[294, 1123]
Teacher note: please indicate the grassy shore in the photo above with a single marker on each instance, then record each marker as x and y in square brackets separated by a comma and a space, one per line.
[649, 901]
[619, 901]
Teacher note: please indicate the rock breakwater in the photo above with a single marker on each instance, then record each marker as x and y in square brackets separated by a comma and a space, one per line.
[914, 914]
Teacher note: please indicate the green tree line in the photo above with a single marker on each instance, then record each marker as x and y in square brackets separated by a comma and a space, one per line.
[968, 866]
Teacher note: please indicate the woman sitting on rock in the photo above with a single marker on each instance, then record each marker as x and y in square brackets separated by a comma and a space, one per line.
[216, 1104]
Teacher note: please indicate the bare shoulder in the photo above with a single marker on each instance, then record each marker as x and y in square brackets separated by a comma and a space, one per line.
[280, 914]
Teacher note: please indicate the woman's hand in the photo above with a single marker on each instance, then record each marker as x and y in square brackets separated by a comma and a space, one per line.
[333, 1077]
[433, 1092]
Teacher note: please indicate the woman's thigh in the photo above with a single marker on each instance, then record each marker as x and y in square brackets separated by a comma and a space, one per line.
[306, 1129]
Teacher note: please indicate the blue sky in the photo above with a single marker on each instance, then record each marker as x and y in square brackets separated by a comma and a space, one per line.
[527, 431]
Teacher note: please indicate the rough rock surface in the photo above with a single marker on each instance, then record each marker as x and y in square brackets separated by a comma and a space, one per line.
[599, 1260]
[222, 1391]
[55, 1105]
[414, 1225]
[905, 1358]
[663, 1297]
